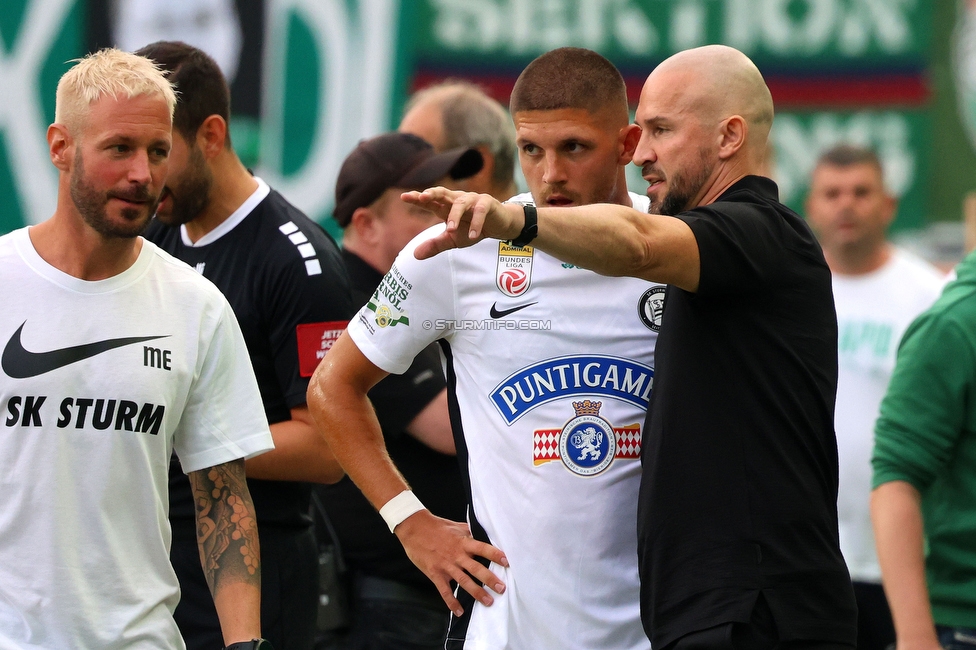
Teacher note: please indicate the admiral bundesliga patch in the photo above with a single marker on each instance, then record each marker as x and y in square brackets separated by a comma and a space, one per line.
[514, 270]
[588, 443]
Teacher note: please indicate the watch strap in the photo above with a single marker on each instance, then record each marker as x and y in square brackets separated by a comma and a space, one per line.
[531, 228]
[253, 644]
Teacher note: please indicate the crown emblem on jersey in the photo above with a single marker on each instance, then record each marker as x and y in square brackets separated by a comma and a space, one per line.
[587, 407]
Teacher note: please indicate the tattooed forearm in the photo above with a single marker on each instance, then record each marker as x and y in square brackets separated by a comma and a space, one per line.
[226, 529]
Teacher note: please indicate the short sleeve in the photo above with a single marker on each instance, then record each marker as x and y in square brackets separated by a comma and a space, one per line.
[223, 419]
[413, 306]
[741, 246]
[300, 299]
[923, 412]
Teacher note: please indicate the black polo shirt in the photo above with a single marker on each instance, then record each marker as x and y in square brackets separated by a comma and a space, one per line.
[739, 490]
[367, 544]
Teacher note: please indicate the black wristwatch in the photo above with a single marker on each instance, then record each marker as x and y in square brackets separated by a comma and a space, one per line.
[253, 644]
[530, 229]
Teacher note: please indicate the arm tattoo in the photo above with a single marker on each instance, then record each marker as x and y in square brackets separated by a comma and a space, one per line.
[227, 531]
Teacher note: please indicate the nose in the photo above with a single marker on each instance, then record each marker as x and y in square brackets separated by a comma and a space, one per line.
[644, 153]
[554, 171]
[844, 202]
[140, 168]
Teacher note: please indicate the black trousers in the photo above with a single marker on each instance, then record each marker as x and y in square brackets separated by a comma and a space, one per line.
[875, 630]
[759, 633]
[289, 592]
[388, 615]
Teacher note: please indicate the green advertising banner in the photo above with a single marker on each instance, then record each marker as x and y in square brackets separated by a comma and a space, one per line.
[804, 32]
[336, 71]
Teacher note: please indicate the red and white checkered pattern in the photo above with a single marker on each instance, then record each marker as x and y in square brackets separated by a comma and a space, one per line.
[545, 445]
[628, 441]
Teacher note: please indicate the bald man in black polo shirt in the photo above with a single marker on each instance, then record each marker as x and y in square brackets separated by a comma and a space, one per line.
[737, 517]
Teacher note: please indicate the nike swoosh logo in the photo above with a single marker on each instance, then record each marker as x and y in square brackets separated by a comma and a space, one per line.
[495, 313]
[19, 363]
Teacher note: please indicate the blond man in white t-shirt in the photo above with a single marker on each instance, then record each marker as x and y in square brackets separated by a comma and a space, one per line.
[115, 354]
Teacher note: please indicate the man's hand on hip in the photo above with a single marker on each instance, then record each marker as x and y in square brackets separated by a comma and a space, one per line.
[445, 550]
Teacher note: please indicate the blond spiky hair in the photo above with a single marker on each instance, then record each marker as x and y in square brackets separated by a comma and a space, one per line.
[107, 72]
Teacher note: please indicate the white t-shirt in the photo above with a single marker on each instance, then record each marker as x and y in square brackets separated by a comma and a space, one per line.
[99, 381]
[550, 367]
[873, 311]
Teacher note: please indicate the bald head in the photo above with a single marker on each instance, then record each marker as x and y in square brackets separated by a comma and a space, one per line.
[721, 82]
[705, 116]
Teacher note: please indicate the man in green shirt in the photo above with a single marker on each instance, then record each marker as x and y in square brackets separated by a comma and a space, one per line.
[924, 501]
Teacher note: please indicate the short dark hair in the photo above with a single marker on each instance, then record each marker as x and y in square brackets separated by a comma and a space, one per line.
[845, 155]
[570, 77]
[470, 118]
[201, 88]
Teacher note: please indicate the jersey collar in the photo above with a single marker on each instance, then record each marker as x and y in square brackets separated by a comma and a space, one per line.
[232, 221]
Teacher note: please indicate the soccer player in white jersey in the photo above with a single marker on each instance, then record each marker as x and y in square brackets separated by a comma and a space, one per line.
[546, 414]
[115, 354]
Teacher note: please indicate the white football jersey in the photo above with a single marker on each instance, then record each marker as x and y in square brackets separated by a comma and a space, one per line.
[99, 382]
[550, 368]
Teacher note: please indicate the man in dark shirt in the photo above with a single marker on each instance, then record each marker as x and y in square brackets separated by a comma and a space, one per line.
[737, 516]
[283, 276]
[394, 604]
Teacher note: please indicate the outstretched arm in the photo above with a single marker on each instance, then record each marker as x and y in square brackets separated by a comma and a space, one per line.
[897, 517]
[227, 535]
[444, 550]
[610, 239]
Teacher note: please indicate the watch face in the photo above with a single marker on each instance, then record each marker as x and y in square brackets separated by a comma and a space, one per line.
[262, 644]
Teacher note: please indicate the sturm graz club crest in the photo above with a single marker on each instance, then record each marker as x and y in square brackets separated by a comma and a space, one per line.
[587, 443]
[650, 308]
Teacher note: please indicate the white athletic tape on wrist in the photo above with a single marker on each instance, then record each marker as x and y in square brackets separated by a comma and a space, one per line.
[399, 508]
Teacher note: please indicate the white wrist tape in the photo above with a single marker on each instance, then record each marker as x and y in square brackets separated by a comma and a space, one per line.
[399, 508]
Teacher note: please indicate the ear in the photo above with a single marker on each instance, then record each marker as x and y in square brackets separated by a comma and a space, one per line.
[212, 136]
[61, 146]
[732, 136]
[364, 224]
[628, 138]
[487, 170]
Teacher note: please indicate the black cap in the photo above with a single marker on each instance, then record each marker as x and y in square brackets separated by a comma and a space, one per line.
[396, 160]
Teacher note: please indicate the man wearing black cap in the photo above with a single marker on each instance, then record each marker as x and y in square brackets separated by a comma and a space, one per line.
[394, 605]
[284, 279]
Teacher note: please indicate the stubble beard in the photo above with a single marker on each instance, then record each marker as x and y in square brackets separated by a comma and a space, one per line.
[192, 191]
[91, 205]
[684, 188]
